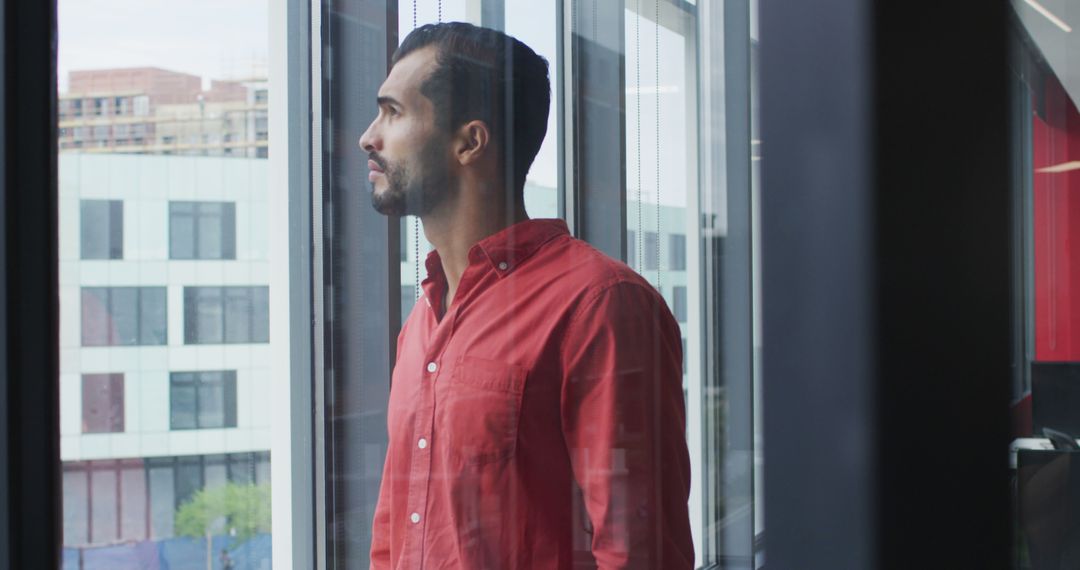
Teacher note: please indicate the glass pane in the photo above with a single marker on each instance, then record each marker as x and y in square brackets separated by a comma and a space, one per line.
[182, 405]
[1046, 378]
[124, 313]
[133, 504]
[238, 314]
[95, 320]
[165, 170]
[76, 507]
[209, 238]
[101, 230]
[103, 403]
[211, 401]
[104, 522]
[181, 230]
[205, 313]
[162, 501]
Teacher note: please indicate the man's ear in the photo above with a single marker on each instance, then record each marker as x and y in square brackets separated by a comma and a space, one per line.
[471, 142]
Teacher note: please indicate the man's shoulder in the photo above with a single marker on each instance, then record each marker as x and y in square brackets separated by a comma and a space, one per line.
[575, 265]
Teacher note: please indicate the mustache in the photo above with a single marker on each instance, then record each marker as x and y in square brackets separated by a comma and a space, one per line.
[377, 160]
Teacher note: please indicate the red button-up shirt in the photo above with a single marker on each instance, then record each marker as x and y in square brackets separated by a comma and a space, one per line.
[540, 423]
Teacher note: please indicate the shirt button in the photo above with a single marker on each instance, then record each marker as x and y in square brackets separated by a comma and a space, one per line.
[415, 517]
[503, 266]
[422, 444]
[432, 367]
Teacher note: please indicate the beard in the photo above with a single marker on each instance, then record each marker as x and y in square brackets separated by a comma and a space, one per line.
[416, 188]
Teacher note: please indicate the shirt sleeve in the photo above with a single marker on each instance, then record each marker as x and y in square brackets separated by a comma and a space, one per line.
[623, 419]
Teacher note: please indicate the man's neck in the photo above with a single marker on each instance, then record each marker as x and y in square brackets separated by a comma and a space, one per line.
[453, 231]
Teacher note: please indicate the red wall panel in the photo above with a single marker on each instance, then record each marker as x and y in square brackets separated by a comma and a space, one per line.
[1056, 141]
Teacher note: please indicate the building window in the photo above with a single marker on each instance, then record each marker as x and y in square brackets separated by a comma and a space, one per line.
[99, 107]
[677, 252]
[101, 225]
[651, 253]
[102, 403]
[123, 316]
[678, 302]
[202, 230]
[118, 105]
[200, 400]
[226, 315]
[76, 107]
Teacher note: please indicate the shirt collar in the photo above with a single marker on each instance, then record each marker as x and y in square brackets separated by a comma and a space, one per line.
[507, 248]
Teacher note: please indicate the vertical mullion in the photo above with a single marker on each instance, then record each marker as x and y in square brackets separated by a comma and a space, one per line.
[736, 292]
[599, 125]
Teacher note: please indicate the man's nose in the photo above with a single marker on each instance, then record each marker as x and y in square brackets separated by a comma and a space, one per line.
[368, 139]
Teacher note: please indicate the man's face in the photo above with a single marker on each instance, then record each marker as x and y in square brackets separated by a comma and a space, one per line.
[408, 156]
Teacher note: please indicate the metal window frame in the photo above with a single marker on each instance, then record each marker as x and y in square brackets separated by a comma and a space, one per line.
[30, 515]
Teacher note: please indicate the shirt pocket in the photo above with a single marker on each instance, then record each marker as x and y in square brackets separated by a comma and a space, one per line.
[482, 409]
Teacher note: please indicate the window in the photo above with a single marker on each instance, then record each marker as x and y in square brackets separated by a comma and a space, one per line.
[181, 310]
[678, 302]
[123, 316]
[677, 252]
[200, 400]
[651, 251]
[102, 403]
[631, 248]
[226, 315]
[101, 224]
[202, 230]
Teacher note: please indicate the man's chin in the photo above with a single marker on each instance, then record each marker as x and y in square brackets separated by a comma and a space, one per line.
[387, 205]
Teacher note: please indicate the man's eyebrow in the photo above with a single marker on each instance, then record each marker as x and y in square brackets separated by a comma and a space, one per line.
[384, 100]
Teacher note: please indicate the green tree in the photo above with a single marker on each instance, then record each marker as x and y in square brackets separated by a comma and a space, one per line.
[242, 511]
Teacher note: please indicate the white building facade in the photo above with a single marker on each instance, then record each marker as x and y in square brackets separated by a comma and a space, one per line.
[165, 340]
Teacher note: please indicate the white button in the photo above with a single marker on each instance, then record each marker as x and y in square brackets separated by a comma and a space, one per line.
[503, 265]
[422, 443]
[432, 367]
[415, 517]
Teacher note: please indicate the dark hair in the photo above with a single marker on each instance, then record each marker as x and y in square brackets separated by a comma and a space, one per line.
[487, 75]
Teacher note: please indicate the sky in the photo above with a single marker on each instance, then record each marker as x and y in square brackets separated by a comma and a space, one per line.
[217, 39]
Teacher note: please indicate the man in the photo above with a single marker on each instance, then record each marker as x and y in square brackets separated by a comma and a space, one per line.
[536, 418]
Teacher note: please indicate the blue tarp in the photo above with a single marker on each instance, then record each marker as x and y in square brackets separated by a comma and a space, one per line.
[171, 554]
